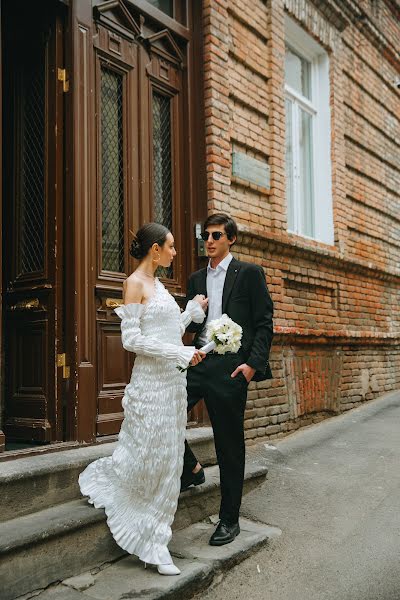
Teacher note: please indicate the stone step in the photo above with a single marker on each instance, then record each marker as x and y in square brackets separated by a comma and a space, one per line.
[38, 482]
[66, 539]
[201, 565]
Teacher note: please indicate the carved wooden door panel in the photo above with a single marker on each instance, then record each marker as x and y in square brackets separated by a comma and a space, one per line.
[116, 176]
[149, 160]
[139, 174]
[32, 220]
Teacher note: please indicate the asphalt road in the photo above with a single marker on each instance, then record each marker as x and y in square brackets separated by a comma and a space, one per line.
[333, 490]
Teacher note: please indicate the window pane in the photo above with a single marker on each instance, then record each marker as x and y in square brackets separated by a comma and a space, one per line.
[112, 208]
[289, 165]
[306, 173]
[298, 73]
[31, 154]
[166, 6]
[162, 167]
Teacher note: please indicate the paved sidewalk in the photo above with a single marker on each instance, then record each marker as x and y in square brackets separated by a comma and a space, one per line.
[334, 491]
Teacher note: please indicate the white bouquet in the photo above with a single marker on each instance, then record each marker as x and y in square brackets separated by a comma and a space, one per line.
[224, 334]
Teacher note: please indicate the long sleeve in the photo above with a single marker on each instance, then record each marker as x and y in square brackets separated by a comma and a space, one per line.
[262, 313]
[134, 341]
[193, 312]
[194, 326]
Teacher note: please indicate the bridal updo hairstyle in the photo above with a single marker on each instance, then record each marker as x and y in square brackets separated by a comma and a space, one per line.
[146, 236]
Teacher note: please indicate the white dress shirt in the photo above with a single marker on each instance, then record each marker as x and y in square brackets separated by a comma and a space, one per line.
[215, 288]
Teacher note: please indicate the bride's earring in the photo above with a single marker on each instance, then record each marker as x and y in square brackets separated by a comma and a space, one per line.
[157, 259]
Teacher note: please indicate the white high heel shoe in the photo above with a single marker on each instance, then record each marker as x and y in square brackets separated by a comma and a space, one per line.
[169, 569]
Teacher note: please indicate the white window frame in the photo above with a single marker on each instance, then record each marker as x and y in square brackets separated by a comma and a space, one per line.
[319, 108]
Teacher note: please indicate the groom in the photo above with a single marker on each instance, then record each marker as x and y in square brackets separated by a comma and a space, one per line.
[239, 290]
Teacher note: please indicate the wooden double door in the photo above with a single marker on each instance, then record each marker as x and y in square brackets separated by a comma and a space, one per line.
[90, 152]
[33, 220]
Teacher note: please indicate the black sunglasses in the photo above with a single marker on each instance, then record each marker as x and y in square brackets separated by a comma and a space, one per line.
[216, 235]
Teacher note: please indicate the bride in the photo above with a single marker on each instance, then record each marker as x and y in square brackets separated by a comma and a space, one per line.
[138, 486]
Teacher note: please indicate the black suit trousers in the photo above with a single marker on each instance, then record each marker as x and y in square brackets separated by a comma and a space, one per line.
[225, 398]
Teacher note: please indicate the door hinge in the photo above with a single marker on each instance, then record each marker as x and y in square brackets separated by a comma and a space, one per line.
[61, 362]
[63, 76]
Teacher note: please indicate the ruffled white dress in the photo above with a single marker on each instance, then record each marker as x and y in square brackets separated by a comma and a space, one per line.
[138, 486]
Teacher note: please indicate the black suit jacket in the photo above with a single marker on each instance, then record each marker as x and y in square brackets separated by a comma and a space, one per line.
[246, 301]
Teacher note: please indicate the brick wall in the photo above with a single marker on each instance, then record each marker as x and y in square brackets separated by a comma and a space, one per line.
[337, 308]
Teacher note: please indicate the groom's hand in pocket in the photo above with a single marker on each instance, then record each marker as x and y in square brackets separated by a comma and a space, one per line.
[247, 371]
[197, 357]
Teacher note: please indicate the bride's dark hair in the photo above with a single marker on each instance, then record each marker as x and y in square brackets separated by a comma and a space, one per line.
[146, 236]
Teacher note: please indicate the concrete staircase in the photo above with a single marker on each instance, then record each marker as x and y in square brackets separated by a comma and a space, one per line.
[48, 532]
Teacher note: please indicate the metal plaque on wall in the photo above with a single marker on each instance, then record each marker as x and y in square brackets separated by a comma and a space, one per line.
[251, 169]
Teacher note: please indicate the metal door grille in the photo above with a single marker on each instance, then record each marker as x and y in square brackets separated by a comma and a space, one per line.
[112, 161]
[31, 153]
[162, 166]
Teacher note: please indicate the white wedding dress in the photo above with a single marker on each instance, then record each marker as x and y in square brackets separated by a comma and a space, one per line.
[138, 486]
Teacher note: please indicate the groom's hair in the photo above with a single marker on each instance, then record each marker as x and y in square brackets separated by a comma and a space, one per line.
[229, 224]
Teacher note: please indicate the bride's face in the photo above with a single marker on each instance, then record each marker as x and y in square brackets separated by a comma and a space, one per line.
[167, 251]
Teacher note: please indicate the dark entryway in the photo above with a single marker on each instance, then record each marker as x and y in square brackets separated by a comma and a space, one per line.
[32, 220]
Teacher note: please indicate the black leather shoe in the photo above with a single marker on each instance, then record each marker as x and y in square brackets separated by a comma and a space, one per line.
[192, 479]
[224, 534]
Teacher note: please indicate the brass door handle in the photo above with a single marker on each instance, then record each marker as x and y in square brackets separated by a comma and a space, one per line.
[113, 302]
[30, 304]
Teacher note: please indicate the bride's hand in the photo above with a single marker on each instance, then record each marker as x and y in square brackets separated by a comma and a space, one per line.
[202, 300]
[197, 357]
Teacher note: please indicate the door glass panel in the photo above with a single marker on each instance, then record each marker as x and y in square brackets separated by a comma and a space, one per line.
[306, 173]
[164, 5]
[31, 153]
[112, 182]
[162, 166]
[289, 165]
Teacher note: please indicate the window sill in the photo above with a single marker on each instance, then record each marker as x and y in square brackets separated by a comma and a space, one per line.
[311, 240]
[283, 242]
